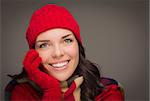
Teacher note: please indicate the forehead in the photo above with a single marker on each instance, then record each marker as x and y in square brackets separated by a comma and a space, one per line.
[54, 34]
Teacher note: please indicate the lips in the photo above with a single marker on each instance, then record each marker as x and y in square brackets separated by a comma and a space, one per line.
[59, 64]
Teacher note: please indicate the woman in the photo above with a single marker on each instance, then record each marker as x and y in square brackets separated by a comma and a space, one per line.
[55, 68]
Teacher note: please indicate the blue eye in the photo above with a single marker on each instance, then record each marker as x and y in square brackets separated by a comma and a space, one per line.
[68, 41]
[44, 45]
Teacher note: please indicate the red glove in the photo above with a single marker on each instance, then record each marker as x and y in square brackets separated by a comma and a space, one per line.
[49, 85]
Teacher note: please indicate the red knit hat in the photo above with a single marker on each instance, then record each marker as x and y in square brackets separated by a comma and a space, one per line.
[48, 17]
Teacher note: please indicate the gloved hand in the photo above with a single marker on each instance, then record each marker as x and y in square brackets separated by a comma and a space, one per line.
[49, 85]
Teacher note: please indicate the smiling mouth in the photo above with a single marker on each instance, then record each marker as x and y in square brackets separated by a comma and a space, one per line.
[60, 64]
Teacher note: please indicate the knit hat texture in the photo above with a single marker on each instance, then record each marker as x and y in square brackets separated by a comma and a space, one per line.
[48, 17]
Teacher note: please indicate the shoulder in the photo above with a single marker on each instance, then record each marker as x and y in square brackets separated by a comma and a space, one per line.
[112, 90]
[20, 91]
[9, 88]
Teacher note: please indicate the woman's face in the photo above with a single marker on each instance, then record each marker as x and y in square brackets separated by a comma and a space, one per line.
[59, 51]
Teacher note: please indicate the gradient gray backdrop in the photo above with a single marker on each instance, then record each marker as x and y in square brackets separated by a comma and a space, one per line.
[114, 33]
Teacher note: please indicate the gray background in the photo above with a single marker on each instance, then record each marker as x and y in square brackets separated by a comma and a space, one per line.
[114, 33]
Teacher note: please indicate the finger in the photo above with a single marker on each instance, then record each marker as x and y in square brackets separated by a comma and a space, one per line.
[26, 59]
[36, 63]
[32, 68]
[30, 56]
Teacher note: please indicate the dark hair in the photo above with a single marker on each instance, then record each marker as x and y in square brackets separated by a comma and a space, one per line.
[90, 87]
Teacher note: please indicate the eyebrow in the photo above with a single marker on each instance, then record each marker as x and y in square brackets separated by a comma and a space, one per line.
[66, 36]
[42, 41]
[49, 40]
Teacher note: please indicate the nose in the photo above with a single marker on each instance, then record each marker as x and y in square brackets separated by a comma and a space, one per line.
[57, 51]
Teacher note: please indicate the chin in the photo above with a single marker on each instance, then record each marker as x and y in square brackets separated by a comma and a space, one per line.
[62, 78]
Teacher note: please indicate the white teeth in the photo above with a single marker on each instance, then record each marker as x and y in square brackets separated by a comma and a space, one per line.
[60, 64]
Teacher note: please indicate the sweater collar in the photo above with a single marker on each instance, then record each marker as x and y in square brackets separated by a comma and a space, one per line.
[71, 88]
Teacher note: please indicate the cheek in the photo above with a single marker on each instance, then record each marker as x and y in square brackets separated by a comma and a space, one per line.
[73, 51]
[44, 54]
